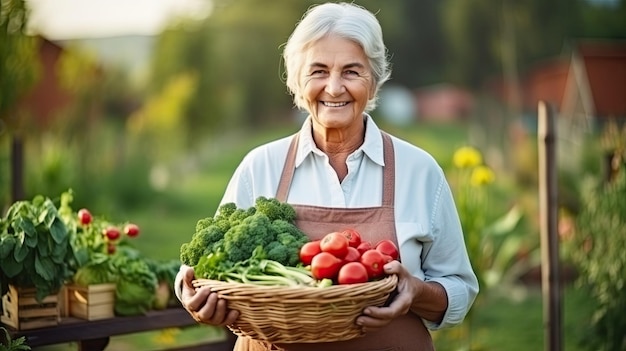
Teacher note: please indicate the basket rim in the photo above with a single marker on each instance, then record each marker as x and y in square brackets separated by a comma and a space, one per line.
[391, 279]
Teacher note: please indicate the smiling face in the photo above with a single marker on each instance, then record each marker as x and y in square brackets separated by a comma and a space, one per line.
[336, 83]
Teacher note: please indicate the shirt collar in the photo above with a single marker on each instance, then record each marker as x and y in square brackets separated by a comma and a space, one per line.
[372, 145]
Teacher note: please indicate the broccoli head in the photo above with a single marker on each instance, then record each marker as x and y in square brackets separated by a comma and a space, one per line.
[291, 245]
[276, 251]
[202, 242]
[225, 211]
[204, 223]
[241, 240]
[282, 226]
[275, 209]
[288, 241]
[240, 214]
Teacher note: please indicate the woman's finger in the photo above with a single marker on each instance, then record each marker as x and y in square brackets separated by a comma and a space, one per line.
[194, 300]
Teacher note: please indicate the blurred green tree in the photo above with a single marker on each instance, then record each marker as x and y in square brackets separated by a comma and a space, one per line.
[415, 39]
[18, 72]
[235, 56]
[187, 49]
[18, 52]
[485, 36]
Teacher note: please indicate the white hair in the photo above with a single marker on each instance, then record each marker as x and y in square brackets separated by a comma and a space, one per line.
[346, 20]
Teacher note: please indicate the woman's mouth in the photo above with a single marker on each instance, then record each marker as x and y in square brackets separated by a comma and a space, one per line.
[334, 104]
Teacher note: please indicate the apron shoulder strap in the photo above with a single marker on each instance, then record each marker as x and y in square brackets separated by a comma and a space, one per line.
[389, 171]
[288, 169]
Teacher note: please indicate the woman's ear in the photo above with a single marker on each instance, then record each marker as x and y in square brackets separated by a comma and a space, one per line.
[373, 91]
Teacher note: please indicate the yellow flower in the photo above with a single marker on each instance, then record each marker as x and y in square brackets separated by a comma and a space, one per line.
[167, 336]
[482, 175]
[467, 157]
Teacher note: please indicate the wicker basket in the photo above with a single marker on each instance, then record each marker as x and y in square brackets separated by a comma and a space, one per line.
[279, 314]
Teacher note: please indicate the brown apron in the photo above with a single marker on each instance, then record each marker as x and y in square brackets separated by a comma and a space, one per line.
[374, 224]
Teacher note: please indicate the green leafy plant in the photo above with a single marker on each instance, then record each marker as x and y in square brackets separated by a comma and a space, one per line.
[7, 343]
[491, 238]
[492, 243]
[136, 282]
[597, 249]
[94, 242]
[103, 254]
[165, 271]
[35, 248]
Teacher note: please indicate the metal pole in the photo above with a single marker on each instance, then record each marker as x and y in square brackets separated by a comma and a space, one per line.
[548, 207]
[17, 169]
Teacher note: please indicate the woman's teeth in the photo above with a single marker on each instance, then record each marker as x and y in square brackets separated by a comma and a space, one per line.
[334, 104]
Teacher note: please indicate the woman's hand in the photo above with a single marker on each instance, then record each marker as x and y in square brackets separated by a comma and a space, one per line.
[408, 287]
[204, 305]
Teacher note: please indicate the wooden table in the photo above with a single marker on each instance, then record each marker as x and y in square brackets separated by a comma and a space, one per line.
[94, 335]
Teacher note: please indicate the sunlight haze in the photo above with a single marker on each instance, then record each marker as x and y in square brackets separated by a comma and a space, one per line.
[71, 19]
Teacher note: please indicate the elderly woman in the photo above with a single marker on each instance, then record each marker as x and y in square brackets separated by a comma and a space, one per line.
[341, 170]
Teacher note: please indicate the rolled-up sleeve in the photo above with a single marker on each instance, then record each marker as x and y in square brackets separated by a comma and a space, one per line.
[445, 259]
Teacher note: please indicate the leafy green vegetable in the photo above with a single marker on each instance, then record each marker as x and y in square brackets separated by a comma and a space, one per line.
[98, 270]
[35, 249]
[136, 283]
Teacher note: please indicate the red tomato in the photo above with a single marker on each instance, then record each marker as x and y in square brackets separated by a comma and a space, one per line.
[352, 273]
[335, 243]
[388, 248]
[112, 233]
[354, 238]
[84, 216]
[373, 260]
[132, 230]
[353, 255]
[387, 258]
[325, 266]
[364, 246]
[308, 251]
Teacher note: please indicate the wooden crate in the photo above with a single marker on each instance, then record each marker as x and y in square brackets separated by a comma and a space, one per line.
[21, 310]
[91, 302]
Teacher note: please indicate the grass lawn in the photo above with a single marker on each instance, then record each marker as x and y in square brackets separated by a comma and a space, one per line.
[514, 322]
[499, 322]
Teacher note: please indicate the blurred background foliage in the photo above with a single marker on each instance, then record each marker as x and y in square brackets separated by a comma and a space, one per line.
[157, 144]
[224, 72]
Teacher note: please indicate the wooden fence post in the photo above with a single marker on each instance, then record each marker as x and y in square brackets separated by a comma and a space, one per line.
[548, 207]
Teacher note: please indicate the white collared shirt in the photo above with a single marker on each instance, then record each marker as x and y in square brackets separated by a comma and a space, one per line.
[428, 228]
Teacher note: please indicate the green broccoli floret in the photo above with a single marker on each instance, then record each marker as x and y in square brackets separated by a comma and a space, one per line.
[292, 246]
[204, 223]
[289, 240]
[202, 242]
[282, 226]
[225, 211]
[275, 251]
[187, 254]
[241, 214]
[275, 209]
[241, 240]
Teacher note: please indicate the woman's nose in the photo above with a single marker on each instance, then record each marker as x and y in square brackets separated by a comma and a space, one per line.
[334, 85]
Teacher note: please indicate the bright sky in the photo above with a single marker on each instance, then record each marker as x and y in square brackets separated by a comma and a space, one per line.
[71, 19]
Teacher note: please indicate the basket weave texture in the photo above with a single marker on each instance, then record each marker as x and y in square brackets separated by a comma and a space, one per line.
[279, 314]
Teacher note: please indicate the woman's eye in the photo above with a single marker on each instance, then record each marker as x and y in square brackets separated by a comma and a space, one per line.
[317, 73]
[351, 73]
